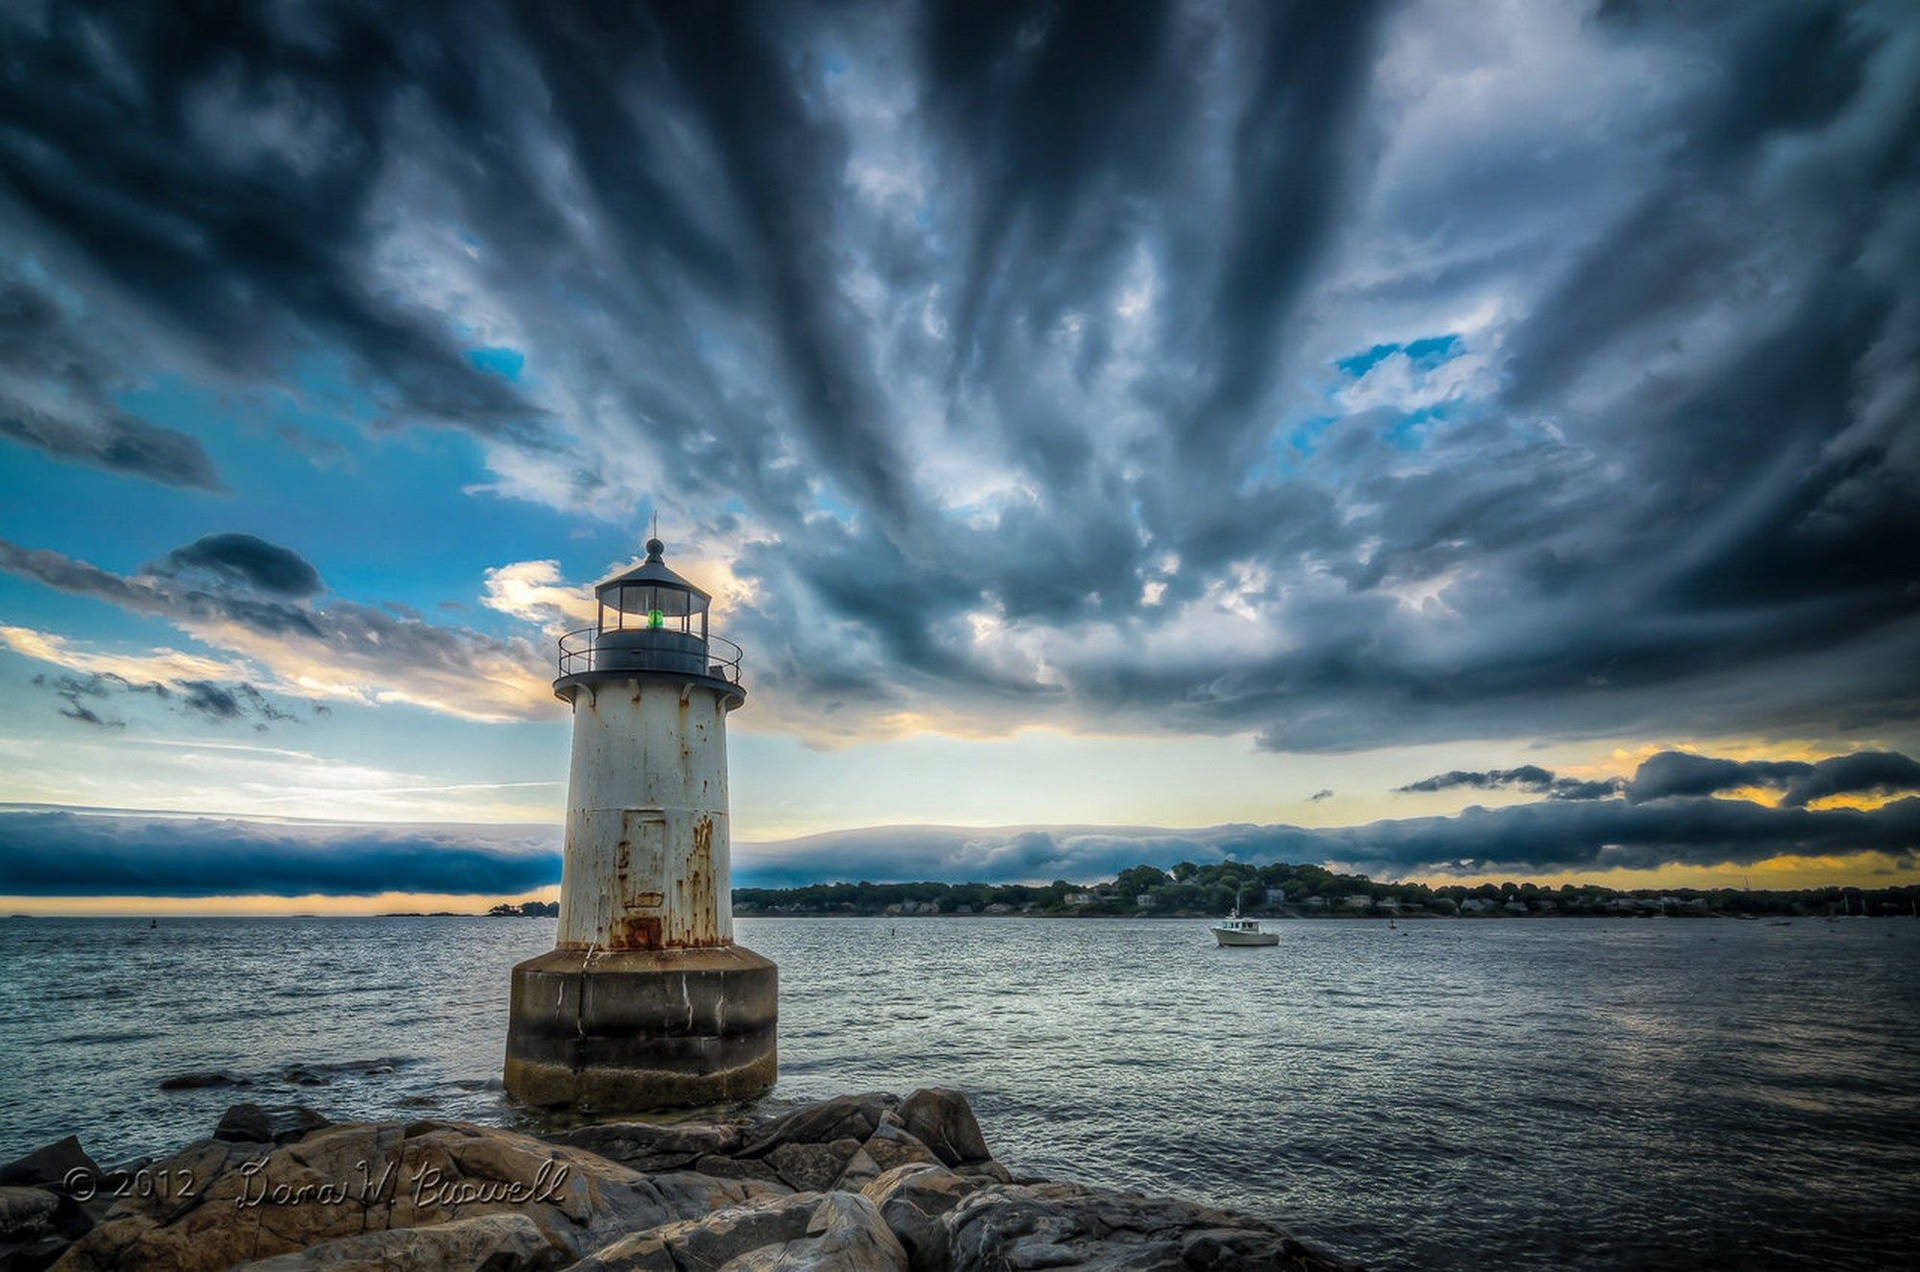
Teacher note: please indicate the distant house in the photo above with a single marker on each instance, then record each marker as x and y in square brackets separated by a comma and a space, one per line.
[1316, 903]
[1390, 904]
[1356, 903]
[1516, 906]
[1476, 905]
[963, 908]
[1276, 896]
[1079, 899]
[998, 908]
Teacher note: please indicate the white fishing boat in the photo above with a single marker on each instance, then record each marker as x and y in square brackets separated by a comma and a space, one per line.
[1234, 930]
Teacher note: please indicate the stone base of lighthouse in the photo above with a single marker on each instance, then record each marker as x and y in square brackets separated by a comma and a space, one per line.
[624, 1031]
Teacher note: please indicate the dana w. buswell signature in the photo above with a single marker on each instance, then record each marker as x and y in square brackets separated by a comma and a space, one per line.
[426, 1185]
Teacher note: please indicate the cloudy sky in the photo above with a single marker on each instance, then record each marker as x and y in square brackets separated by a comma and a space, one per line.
[1424, 437]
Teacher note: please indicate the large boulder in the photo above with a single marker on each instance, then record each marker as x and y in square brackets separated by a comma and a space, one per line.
[812, 1167]
[39, 1207]
[712, 1242]
[50, 1166]
[889, 1146]
[913, 1199]
[942, 1119]
[1005, 1226]
[252, 1201]
[27, 1214]
[485, 1243]
[845, 1234]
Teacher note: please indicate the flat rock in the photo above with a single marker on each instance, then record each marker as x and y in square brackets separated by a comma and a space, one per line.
[485, 1243]
[843, 1117]
[268, 1124]
[1003, 1226]
[941, 1118]
[991, 1172]
[252, 1201]
[737, 1168]
[646, 1146]
[202, 1079]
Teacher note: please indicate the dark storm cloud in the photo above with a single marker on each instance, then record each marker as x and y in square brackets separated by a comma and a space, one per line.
[1027, 349]
[55, 395]
[67, 854]
[160, 592]
[249, 560]
[215, 169]
[1676, 773]
[1550, 835]
[115, 441]
[1862, 773]
[1528, 777]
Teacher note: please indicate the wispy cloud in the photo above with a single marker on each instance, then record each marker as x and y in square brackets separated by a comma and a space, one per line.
[340, 650]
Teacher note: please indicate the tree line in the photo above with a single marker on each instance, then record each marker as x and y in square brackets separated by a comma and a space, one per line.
[1281, 888]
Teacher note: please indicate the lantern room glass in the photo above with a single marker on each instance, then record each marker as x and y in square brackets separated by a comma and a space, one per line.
[653, 607]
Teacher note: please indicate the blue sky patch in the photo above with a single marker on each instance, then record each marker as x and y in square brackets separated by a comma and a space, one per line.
[1425, 353]
[500, 360]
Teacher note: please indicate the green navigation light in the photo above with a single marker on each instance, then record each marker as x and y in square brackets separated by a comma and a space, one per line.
[656, 619]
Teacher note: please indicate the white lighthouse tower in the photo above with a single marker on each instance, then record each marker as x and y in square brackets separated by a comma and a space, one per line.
[645, 1001]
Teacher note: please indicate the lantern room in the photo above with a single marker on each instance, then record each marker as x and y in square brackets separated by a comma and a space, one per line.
[650, 597]
[649, 619]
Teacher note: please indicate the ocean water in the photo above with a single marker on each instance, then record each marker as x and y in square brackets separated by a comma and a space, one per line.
[1455, 1094]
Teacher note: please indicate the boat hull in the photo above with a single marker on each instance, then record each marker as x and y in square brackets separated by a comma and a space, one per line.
[1222, 937]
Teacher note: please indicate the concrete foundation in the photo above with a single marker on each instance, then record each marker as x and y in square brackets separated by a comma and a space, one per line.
[615, 1031]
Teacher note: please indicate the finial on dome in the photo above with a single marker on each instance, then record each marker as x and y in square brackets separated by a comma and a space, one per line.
[654, 549]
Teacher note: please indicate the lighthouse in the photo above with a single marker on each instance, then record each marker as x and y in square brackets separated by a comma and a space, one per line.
[645, 1002]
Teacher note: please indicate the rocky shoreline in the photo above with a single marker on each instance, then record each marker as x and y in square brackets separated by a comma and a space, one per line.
[862, 1183]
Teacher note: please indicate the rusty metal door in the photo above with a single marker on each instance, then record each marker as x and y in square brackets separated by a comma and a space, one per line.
[642, 873]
